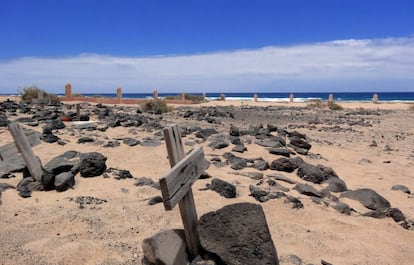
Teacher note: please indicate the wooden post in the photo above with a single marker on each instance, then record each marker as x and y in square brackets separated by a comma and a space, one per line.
[291, 97]
[155, 94]
[40, 98]
[176, 184]
[119, 95]
[375, 98]
[78, 112]
[23, 145]
[68, 90]
[330, 98]
[183, 97]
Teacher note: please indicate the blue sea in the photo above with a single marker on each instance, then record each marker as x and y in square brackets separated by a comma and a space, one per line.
[284, 97]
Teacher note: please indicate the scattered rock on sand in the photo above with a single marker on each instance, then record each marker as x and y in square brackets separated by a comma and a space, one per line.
[92, 164]
[144, 181]
[336, 185]
[64, 181]
[131, 141]
[299, 142]
[238, 234]
[223, 188]
[311, 173]
[283, 164]
[307, 189]
[368, 198]
[402, 188]
[167, 247]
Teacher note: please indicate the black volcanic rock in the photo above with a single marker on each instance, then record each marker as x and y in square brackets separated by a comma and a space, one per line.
[92, 164]
[299, 142]
[307, 189]
[336, 185]
[283, 164]
[205, 133]
[131, 141]
[402, 188]
[3, 120]
[311, 173]
[234, 131]
[280, 151]
[238, 234]
[368, 198]
[64, 181]
[223, 188]
[239, 148]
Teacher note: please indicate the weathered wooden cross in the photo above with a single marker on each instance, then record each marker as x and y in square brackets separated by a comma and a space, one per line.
[176, 184]
[24, 147]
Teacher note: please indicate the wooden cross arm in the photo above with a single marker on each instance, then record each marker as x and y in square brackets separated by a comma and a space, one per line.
[177, 182]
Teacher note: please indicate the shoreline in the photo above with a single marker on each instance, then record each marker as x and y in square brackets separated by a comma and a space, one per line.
[386, 105]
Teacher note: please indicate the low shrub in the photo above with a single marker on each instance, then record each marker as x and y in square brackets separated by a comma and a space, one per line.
[193, 98]
[31, 92]
[155, 106]
[316, 103]
[334, 106]
[319, 104]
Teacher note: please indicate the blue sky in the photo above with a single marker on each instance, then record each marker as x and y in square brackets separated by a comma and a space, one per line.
[207, 45]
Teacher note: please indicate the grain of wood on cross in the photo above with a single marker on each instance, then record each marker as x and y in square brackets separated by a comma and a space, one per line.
[176, 184]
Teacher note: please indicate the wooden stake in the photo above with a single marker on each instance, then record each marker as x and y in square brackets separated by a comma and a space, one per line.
[22, 144]
[78, 112]
[176, 184]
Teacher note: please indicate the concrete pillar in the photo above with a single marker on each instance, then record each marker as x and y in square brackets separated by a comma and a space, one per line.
[183, 97]
[204, 96]
[255, 97]
[291, 97]
[330, 98]
[155, 94]
[119, 94]
[222, 97]
[68, 90]
[375, 98]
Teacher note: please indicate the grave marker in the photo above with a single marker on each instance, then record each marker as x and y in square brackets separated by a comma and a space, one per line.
[176, 184]
[23, 145]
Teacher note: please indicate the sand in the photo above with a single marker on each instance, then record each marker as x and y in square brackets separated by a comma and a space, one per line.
[51, 228]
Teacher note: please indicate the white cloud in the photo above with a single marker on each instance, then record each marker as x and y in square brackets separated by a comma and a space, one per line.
[340, 65]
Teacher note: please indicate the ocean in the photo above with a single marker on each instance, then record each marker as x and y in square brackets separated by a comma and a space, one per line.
[284, 97]
[280, 97]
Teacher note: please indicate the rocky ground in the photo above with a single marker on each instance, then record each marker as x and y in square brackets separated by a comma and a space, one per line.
[335, 186]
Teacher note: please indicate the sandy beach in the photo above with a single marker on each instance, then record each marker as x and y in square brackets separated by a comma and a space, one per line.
[50, 227]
